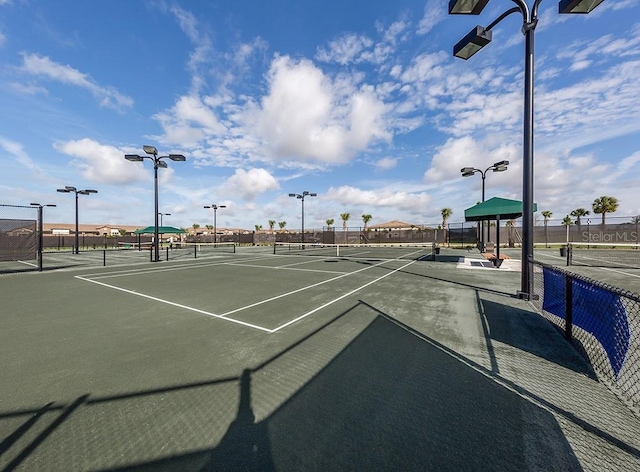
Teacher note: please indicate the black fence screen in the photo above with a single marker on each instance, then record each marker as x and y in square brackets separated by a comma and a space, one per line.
[18, 237]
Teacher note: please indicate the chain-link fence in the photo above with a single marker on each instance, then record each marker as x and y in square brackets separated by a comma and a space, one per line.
[602, 322]
[18, 238]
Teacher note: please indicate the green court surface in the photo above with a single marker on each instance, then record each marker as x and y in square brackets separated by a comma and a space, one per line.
[256, 361]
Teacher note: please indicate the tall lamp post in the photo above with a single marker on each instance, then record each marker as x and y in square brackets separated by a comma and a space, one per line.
[301, 196]
[41, 231]
[157, 162]
[161, 214]
[215, 229]
[69, 189]
[475, 40]
[469, 171]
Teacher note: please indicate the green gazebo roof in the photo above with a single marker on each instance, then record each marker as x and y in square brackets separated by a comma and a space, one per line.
[161, 230]
[496, 207]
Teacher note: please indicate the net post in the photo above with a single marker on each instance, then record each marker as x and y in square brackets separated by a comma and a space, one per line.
[569, 254]
[234, 248]
[195, 251]
[104, 258]
[167, 249]
[568, 307]
[274, 248]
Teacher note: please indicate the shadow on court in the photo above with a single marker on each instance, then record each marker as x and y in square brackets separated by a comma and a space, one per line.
[392, 399]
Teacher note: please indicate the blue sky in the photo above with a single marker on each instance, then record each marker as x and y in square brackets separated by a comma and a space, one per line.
[359, 101]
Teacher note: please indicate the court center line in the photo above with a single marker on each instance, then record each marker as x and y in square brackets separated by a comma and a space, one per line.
[288, 323]
[151, 270]
[239, 264]
[167, 302]
[302, 289]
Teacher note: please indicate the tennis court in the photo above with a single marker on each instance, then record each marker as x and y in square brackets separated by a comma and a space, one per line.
[260, 361]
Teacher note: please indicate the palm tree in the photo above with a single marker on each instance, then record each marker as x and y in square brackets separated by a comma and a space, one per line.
[258, 227]
[345, 218]
[272, 224]
[578, 213]
[605, 205]
[446, 214]
[365, 219]
[282, 224]
[195, 227]
[547, 215]
[329, 223]
[566, 221]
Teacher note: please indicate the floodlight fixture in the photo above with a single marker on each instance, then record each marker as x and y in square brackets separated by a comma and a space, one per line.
[150, 150]
[472, 43]
[300, 196]
[577, 6]
[71, 189]
[466, 7]
[215, 207]
[158, 162]
[475, 40]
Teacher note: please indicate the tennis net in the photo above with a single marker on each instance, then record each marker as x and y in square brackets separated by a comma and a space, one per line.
[620, 255]
[359, 251]
[197, 250]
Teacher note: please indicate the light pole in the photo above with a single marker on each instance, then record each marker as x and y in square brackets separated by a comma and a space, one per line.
[41, 231]
[161, 214]
[469, 171]
[157, 162]
[69, 189]
[215, 229]
[301, 196]
[476, 40]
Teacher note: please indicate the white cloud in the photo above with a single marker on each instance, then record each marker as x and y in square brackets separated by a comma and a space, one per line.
[386, 163]
[434, 13]
[404, 201]
[304, 116]
[16, 150]
[190, 121]
[104, 164]
[457, 153]
[251, 183]
[345, 50]
[43, 66]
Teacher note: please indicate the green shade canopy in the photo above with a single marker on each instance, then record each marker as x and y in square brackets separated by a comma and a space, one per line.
[496, 207]
[161, 230]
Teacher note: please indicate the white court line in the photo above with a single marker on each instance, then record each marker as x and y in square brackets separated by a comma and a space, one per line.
[270, 331]
[620, 272]
[303, 289]
[28, 263]
[285, 267]
[151, 270]
[339, 298]
[167, 302]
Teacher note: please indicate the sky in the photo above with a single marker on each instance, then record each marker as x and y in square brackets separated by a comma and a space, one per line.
[359, 101]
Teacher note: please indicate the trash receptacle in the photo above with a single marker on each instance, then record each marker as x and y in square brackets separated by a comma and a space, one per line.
[437, 250]
[563, 251]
